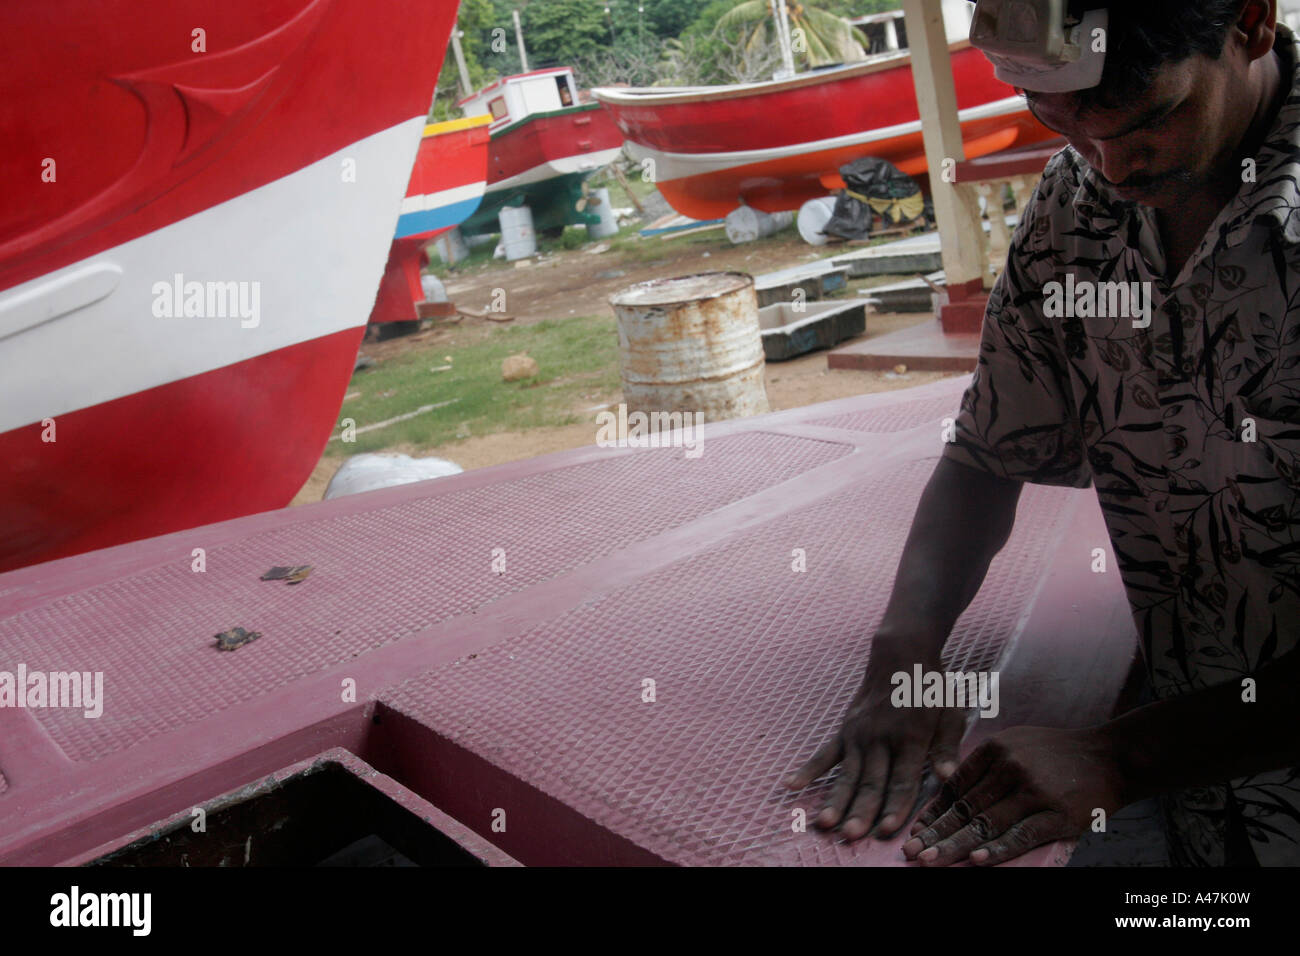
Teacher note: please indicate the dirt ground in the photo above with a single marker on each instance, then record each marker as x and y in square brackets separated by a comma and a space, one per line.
[580, 282]
[793, 384]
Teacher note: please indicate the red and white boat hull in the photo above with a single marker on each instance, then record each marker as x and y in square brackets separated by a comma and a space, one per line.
[176, 334]
[545, 141]
[711, 148]
[446, 187]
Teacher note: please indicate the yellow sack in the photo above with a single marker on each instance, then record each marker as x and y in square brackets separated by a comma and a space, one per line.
[895, 210]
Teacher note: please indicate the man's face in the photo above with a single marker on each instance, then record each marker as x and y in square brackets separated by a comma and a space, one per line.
[1176, 140]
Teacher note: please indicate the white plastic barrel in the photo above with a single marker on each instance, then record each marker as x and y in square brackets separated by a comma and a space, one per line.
[451, 246]
[601, 206]
[692, 344]
[745, 224]
[813, 217]
[517, 233]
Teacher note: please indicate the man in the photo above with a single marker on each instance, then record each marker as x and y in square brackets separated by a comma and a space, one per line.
[1182, 177]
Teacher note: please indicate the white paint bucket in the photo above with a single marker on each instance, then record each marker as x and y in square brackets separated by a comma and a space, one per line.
[599, 204]
[813, 217]
[517, 234]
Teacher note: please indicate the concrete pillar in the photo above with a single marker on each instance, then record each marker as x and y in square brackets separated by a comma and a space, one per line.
[956, 207]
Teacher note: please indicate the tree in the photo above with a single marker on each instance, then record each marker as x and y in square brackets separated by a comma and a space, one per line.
[668, 18]
[819, 37]
[634, 63]
[700, 61]
[860, 8]
[557, 32]
[475, 21]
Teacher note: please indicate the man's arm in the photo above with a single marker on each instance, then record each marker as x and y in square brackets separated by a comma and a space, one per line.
[1211, 735]
[964, 518]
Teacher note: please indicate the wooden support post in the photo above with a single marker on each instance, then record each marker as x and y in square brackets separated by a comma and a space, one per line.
[956, 206]
[519, 40]
[466, 88]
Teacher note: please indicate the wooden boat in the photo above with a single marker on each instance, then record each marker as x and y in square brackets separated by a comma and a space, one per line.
[195, 205]
[776, 144]
[446, 187]
[545, 141]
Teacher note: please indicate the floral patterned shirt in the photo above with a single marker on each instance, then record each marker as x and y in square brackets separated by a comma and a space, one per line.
[1188, 426]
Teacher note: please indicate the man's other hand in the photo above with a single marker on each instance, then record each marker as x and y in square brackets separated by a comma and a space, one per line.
[1022, 788]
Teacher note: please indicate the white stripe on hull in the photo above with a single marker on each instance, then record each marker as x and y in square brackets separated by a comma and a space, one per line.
[579, 163]
[315, 241]
[443, 197]
[670, 166]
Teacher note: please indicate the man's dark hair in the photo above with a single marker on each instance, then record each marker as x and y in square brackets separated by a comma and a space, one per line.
[1146, 35]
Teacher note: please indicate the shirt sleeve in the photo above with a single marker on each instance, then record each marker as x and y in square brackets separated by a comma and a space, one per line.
[1017, 418]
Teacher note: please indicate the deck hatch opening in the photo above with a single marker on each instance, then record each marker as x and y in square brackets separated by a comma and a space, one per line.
[322, 816]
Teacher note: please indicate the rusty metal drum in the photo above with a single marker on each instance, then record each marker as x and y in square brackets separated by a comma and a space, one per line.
[692, 344]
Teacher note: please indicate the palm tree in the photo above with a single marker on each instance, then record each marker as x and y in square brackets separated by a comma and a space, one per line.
[821, 37]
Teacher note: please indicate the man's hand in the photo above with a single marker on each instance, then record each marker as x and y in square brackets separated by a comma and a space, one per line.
[1020, 789]
[883, 750]
[963, 520]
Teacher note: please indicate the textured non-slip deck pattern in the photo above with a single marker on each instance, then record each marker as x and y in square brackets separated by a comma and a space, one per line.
[523, 694]
[377, 576]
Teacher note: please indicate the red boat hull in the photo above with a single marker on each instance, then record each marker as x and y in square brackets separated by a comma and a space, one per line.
[145, 131]
[400, 288]
[714, 147]
[131, 468]
[258, 145]
[550, 138]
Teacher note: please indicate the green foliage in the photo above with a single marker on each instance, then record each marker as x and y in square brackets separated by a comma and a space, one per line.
[556, 32]
[859, 8]
[705, 24]
[668, 18]
[475, 20]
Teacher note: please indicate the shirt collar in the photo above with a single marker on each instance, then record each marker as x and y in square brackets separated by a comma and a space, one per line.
[1273, 198]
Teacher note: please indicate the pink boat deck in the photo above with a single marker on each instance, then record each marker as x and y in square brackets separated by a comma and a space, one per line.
[479, 692]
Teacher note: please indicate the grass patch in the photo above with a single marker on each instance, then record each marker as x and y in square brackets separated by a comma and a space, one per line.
[577, 366]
